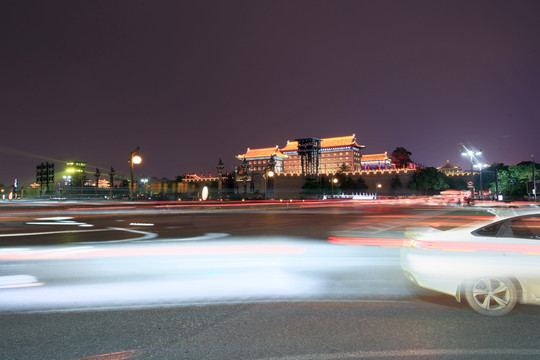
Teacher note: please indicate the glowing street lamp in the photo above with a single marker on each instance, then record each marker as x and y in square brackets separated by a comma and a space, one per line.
[144, 182]
[134, 159]
[269, 174]
[379, 186]
[334, 181]
[471, 155]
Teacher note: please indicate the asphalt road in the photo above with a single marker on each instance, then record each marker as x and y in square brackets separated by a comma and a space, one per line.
[304, 330]
[235, 284]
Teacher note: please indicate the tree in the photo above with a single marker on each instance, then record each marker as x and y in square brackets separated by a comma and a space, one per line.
[97, 174]
[343, 168]
[396, 183]
[513, 179]
[401, 157]
[111, 178]
[361, 184]
[456, 183]
[311, 187]
[428, 180]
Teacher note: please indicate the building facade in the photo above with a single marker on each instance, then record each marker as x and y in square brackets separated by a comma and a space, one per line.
[258, 159]
[377, 162]
[335, 151]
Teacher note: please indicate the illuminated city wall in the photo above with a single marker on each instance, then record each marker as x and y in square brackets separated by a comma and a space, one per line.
[290, 185]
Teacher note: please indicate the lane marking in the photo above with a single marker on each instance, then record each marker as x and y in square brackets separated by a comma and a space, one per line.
[207, 236]
[58, 220]
[52, 232]
[146, 235]
[55, 218]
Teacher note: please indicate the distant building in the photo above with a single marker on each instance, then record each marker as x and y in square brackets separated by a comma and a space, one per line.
[377, 161]
[77, 172]
[450, 169]
[334, 152]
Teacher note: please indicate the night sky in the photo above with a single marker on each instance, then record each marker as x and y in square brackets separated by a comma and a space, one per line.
[194, 81]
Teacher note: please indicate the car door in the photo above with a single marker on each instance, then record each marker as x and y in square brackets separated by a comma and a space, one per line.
[525, 234]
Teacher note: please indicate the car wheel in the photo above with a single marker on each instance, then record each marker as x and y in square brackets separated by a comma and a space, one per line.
[491, 296]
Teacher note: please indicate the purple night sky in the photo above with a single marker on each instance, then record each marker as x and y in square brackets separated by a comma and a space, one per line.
[192, 81]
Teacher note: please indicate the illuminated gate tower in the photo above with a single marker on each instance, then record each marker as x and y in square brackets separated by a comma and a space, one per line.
[334, 152]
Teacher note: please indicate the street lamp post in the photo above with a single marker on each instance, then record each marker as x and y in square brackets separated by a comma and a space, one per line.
[333, 181]
[134, 159]
[379, 186]
[269, 174]
[481, 167]
[144, 181]
[219, 168]
[471, 155]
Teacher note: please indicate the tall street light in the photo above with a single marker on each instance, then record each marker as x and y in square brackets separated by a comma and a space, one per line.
[480, 168]
[144, 182]
[379, 186]
[471, 155]
[134, 159]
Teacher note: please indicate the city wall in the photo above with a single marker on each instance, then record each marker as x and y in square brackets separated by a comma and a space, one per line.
[290, 185]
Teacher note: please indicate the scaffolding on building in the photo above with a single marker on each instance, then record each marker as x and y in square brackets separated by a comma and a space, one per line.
[309, 150]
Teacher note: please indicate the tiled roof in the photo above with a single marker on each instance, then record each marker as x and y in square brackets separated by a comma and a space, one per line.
[291, 146]
[328, 143]
[448, 166]
[261, 153]
[340, 141]
[375, 157]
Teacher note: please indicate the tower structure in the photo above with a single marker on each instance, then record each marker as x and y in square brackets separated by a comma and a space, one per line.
[309, 150]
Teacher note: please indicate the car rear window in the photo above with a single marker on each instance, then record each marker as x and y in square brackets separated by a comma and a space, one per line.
[527, 227]
[489, 230]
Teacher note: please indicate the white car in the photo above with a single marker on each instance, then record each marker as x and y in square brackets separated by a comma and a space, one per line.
[493, 265]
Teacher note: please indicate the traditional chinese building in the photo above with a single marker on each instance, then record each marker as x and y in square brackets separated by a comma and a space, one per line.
[334, 152]
[450, 169]
[376, 161]
[257, 159]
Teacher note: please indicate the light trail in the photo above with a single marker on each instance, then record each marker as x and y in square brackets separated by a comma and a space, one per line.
[150, 251]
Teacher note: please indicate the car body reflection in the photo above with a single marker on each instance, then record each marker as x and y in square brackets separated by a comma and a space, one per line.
[492, 266]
